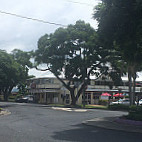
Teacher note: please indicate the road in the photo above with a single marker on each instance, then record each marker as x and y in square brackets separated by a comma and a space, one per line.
[37, 123]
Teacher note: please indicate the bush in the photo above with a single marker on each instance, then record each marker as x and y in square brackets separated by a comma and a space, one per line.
[118, 107]
[134, 116]
[136, 109]
[103, 102]
[12, 97]
[135, 113]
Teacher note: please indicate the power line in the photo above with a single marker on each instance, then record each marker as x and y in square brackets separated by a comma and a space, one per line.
[43, 21]
[83, 3]
[34, 19]
[79, 3]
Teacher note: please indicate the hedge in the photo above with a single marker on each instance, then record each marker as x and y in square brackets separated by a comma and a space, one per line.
[118, 107]
[135, 113]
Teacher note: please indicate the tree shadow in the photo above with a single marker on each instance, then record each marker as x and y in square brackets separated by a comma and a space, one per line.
[83, 133]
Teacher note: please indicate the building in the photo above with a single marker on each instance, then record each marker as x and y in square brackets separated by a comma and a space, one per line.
[49, 90]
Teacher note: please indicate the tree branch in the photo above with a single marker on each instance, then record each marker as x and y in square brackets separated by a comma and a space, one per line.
[93, 68]
[61, 80]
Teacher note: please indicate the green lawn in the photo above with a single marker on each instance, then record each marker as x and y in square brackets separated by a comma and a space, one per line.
[96, 107]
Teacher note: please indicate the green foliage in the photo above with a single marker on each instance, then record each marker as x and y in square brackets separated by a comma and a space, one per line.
[103, 102]
[22, 88]
[22, 57]
[95, 107]
[135, 109]
[135, 113]
[134, 116]
[73, 52]
[12, 73]
[11, 97]
[120, 30]
[118, 107]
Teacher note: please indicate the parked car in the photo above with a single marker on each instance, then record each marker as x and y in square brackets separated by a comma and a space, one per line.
[140, 102]
[25, 99]
[22, 100]
[121, 101]
[30, 98]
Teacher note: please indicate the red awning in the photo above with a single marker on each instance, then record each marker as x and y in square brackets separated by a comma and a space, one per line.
[106, 94]
[118, 95]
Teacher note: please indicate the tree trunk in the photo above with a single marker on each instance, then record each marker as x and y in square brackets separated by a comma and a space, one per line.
[73, 98]
[134, 87]
[130, 86]
[7, 92]
[6, 96]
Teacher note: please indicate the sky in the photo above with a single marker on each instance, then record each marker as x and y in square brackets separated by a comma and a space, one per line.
[21, 33]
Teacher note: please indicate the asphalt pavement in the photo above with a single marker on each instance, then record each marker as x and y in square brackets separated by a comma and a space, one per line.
[38, 123]
[116, 123]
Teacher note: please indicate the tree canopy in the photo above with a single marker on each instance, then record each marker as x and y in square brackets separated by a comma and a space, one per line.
[22, 57]
[73, 53]
[12, 73]
[120, 28]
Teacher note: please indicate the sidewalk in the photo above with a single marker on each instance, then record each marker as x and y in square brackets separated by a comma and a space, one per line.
[115, 123]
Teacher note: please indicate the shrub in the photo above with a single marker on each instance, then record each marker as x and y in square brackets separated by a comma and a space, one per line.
[103, 102]
[12, 97]
[134, 116]
[118, 107]
[136, 109]
[135, 113]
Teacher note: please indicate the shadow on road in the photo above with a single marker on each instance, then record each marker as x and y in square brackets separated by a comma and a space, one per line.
[83, 133]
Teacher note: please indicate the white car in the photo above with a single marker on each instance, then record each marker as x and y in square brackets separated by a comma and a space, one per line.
[140, 102]
[121, 101]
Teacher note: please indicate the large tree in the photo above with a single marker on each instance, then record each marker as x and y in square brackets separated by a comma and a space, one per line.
[120, 28]
[72, 54]
[22, 57]
[12, 73]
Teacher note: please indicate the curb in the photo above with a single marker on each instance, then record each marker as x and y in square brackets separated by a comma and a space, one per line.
[112, 124]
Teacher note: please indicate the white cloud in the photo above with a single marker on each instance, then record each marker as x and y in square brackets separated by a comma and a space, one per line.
[24, 34]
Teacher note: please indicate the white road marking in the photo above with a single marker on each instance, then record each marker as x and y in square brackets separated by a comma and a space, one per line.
[69, 109]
